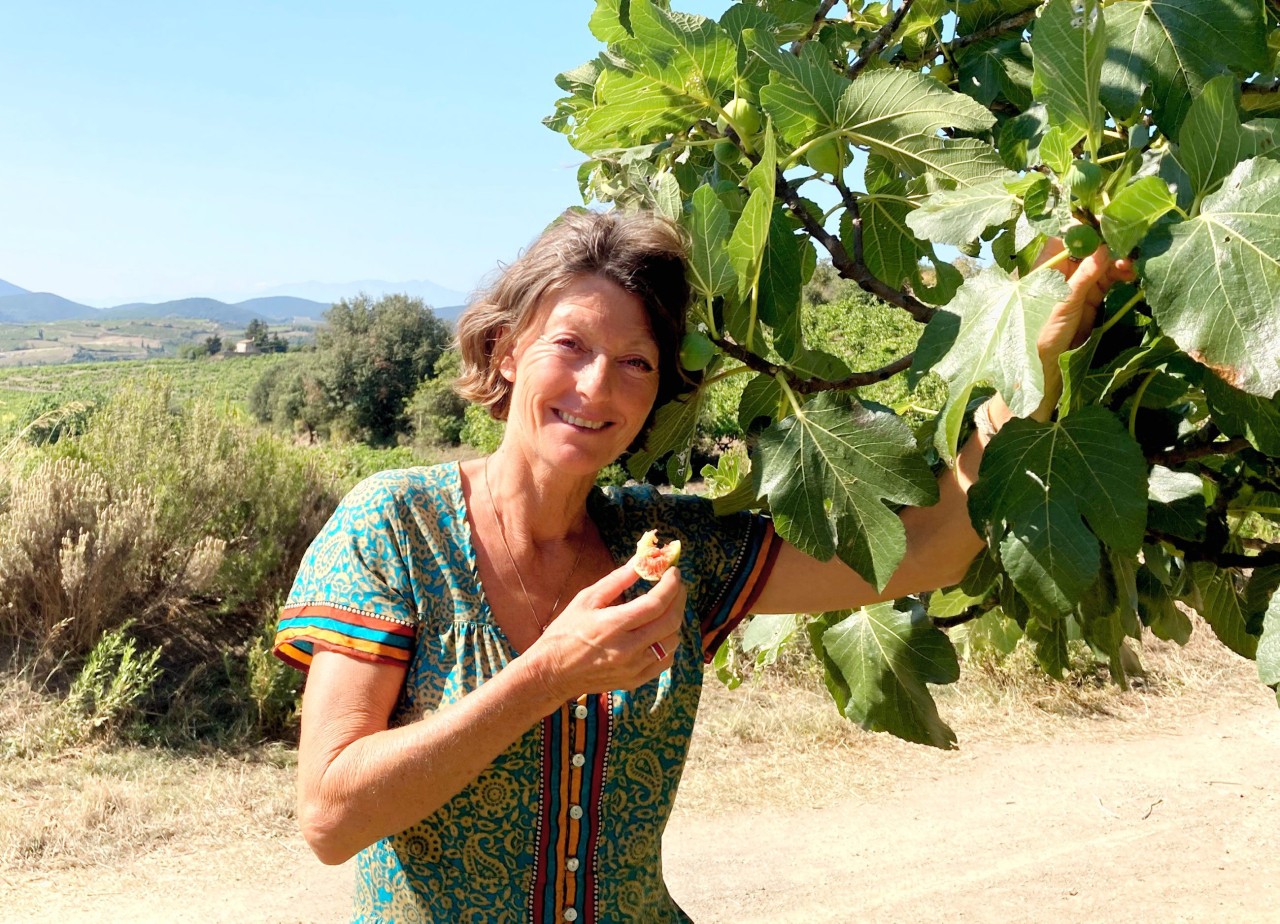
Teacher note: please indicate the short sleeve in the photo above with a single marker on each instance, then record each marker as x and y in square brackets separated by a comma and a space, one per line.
[353, 590]
[725, 560]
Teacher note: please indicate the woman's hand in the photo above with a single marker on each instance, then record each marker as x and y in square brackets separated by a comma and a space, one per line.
[595, 645]
[1071, 320]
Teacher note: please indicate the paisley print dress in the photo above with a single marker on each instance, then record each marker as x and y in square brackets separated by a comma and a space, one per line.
[566, 825]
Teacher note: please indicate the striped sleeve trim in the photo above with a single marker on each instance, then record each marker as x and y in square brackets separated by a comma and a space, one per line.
[743, 587]
[371, 638]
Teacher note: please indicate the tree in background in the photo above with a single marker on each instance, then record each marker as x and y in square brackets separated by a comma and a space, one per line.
[370, 358]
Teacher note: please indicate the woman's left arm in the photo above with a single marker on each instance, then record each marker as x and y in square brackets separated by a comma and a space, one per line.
[941, 541]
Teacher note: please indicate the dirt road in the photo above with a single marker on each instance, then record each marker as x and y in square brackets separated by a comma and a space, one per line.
[1179, 823]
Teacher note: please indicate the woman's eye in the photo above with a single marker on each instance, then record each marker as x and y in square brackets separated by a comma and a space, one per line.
[567, 343]
[640, 364]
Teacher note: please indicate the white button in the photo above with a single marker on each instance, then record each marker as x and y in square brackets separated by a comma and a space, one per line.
[575, 812]
[570, 914]
[580, 711]
[571, 864]
[578, 760]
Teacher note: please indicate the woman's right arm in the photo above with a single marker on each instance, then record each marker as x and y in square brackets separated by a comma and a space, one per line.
[360, 780]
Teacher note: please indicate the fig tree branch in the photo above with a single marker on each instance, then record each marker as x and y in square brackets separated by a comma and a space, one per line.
[949, 49]
[851, 266]
[810, 386]
[878, 41]
[1214, 553]
[1178, 456]
[819, 18]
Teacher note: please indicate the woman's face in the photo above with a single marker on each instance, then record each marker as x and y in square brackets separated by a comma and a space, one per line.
[584, 377]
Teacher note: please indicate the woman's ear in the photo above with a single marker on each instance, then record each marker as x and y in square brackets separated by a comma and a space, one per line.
[506, 359]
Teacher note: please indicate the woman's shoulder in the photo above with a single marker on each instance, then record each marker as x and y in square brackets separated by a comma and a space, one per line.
[398, 485]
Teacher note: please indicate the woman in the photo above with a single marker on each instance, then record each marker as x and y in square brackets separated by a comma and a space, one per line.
[497, 710]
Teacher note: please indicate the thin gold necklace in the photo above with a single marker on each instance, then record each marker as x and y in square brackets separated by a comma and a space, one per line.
[582, 544]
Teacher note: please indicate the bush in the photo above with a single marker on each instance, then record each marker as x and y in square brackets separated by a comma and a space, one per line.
[435, 412]
[181, 522]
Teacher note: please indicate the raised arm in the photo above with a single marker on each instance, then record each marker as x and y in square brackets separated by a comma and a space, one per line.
[941, 541]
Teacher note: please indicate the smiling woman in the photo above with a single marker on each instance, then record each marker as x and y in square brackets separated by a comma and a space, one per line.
[498, 709]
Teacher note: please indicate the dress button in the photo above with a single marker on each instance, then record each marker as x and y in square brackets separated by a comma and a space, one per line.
[578, 760]
[571, 864]
[580, 711]
[575, 812]
[570, 914]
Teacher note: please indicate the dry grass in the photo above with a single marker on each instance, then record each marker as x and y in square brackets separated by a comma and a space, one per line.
[774, 741]
[780, 740]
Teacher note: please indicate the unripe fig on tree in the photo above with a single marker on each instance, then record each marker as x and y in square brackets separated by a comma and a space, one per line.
[828, 156]
[942, 73]
[696, 350]
[1084, 178]
[726, 152]
[1081, 241]
[742, 116]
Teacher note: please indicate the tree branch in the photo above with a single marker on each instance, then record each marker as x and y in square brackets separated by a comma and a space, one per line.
[878, 41]
[1178, 456]
[950, 622]
[1215, 554]
[949, 49]
[810, 386]
[856, 379]
[819, 18]
[851, 267]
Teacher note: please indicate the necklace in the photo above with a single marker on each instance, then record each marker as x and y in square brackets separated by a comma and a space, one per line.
[502, 534]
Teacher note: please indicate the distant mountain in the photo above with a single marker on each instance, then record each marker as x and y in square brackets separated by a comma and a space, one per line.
[210, 309]
[284, 307]
[35, 307]
[329, 292]
[8, 288]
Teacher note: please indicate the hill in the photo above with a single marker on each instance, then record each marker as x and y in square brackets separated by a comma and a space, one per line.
[8, 288]
[209, 309]
[38, 307]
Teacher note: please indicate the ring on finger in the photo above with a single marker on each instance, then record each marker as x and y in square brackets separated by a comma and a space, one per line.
[658, 651]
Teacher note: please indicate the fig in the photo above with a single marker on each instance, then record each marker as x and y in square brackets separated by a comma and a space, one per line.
[696, 351]
[651, 560]
[744, 117]
[726, 152]
[828, 157]
[1081, 241]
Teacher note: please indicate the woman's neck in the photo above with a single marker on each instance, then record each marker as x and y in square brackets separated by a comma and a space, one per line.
[533, 501]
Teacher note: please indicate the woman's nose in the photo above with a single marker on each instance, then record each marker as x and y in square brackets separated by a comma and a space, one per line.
[594, 376]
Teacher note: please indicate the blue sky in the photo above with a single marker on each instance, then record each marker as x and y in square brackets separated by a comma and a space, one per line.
[161, 150]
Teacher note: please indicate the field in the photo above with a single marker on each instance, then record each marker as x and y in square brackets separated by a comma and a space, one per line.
[28, 389]
[55, 342]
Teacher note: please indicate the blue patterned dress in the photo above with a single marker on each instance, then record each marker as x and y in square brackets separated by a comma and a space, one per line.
[566, 824]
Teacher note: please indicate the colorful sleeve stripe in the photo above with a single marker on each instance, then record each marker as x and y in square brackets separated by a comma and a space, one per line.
[744, 585]
[371, 638]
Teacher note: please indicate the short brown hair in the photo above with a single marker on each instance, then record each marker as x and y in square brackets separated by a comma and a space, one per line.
[640, 252]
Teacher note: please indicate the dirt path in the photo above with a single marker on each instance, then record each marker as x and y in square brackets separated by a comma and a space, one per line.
[1180, 825]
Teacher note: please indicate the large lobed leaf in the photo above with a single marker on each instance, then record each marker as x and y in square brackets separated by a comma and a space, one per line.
[1214, 282]
[885, 656]
[988, 333]
[1173, 48]
[829, 471]
[1069, 46]
[1037, 486]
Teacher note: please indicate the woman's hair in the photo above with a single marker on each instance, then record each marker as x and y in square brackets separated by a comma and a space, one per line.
[640, 252]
